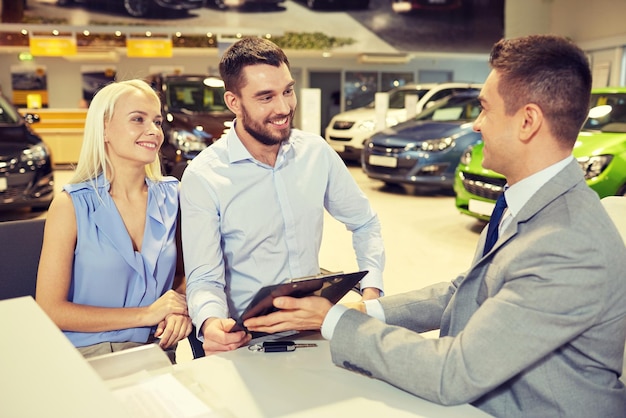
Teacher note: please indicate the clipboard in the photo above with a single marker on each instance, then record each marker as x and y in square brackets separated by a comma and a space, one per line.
[331, 286]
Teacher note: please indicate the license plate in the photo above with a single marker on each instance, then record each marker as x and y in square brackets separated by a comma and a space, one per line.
[3, 184]
[383, 161]
[481, 207]
[338, 148]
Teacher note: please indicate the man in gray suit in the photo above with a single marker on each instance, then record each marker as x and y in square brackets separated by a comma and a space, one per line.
[536, 327]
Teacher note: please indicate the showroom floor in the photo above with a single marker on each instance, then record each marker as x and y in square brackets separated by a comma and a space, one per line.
[426, 239]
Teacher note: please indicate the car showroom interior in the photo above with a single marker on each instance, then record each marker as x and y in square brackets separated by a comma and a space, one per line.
[393, 87]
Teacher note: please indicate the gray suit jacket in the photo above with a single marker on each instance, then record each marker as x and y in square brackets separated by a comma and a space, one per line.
[536, 328]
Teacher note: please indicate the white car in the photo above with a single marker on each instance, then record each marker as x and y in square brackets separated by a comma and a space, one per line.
[347, 131]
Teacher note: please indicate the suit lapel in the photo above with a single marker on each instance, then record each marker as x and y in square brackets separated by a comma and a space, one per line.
[456, 318]
[566, 179]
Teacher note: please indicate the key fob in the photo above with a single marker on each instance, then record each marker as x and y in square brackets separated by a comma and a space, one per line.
[278, 346]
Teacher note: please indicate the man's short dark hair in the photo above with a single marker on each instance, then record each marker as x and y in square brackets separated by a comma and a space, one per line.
[245, 52]
[549, 71]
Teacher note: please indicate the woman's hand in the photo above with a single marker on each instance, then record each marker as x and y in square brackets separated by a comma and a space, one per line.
[171, 302]
[172, 329]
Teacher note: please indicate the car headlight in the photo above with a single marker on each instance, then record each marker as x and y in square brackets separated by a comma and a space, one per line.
[466, 157]
[436, 145]
[595, 165]
[187, 141]
[34, 153]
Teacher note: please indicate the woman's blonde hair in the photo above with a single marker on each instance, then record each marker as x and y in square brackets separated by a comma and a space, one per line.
[93, 159]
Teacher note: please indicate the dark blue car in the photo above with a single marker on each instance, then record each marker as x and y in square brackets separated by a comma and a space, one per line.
[425, 150]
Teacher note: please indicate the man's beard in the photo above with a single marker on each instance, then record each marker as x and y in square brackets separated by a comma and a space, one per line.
[261, 133]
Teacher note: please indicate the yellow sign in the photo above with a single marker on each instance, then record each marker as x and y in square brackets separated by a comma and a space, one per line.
[52, 46]
[149, 47]
[31, 98]
[33, 101]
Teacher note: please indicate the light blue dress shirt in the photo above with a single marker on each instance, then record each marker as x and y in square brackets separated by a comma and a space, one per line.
[107, 271]
[246, 224]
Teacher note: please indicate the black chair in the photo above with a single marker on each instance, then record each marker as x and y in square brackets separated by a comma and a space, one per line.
[20, 247]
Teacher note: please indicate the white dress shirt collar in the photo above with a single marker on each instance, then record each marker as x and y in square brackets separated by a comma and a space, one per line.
[521, 192]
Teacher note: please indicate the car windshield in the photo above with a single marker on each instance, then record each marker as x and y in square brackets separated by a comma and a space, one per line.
[607, 113]
[7, 113]
[452, 108]
[195, 96]
[397, 98]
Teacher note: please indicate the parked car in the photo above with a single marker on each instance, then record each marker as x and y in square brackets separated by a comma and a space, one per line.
[143, 8]
[338, 4]
[347, 131]
[600, 151]
[26, 176]
[195, 116]
[425, 150]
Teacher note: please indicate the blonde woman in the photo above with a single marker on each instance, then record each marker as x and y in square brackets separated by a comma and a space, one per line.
[109, 254]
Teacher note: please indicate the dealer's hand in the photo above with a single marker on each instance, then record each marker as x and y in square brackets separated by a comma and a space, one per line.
[297, 314]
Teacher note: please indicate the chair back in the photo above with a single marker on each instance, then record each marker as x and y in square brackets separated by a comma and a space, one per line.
[616, 207]
[20, 248]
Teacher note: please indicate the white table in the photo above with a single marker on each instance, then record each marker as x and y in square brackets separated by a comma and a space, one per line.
[45, 376]
[302, 383]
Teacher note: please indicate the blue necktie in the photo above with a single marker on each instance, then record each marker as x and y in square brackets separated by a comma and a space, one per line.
[494, 222]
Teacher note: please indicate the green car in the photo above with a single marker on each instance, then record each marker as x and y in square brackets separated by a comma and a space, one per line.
[600, 151]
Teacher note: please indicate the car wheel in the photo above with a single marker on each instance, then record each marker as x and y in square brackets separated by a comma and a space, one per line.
[137, 8]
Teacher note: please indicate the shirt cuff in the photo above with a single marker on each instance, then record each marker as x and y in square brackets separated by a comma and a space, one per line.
[331, 320]
[373, 279]
[375, 309]
[372, 307]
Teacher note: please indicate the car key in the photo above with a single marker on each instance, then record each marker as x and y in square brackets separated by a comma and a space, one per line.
[278, 346]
